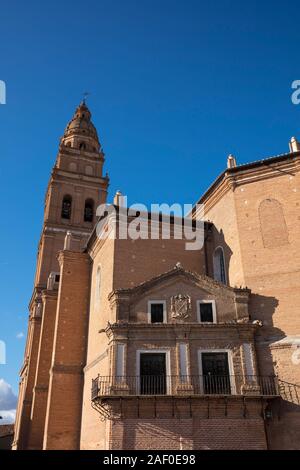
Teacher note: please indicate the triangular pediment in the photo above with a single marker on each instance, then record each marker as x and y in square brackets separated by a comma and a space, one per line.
[178, 273]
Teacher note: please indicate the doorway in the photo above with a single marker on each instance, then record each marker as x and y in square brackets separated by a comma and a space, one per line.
[153, 374]
[215, 373]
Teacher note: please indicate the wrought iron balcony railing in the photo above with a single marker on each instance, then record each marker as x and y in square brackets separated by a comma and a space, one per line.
[184, 385]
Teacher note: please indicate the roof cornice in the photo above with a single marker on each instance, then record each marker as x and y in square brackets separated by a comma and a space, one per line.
[229, 179]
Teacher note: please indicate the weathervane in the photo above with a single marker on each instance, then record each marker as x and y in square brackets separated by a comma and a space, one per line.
[85, 95]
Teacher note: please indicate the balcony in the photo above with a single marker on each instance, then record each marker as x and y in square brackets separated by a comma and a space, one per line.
[164, 385]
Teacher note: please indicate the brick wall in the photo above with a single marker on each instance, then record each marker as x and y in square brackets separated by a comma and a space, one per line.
[187, 434]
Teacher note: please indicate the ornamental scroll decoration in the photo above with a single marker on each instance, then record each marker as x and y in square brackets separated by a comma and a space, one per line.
[181, 306]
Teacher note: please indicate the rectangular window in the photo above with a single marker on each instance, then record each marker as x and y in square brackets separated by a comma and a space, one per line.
[206, 311]
[157, 312]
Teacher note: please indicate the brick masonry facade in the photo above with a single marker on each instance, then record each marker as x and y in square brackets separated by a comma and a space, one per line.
[93, 321]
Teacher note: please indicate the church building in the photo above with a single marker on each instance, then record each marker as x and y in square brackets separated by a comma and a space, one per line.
[144, 344]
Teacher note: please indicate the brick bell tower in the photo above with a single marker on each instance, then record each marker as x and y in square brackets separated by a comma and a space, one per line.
[76, 187]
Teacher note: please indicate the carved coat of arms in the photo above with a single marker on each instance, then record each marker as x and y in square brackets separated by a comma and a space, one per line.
[180, 306]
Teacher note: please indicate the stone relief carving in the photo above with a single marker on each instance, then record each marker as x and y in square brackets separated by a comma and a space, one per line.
[181, 306]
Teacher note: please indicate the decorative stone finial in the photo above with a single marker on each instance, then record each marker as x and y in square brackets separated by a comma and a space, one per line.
[119, 199]
[50, 282]
[294, 145]
[231, 161]
[68, 239]
[38, 308]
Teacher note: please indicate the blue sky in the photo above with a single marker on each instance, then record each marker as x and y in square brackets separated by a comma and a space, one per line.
[175, 87]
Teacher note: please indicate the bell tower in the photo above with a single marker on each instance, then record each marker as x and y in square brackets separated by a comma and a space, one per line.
[75, 189]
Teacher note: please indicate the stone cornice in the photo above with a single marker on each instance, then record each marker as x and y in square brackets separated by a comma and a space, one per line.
[97, 181]
[123, 328]
[50, 228]
[87, 156]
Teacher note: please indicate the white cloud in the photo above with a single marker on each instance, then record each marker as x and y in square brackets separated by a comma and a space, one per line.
[8, 403]
[8, 416]
[20, 335]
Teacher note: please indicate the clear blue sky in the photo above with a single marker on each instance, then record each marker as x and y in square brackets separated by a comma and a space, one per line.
[176, 86]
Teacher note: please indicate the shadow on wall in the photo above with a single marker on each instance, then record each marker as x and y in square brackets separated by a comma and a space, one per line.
[193, 433]
[283, 427]
[261, 307]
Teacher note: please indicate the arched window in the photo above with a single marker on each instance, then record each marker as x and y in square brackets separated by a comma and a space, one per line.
[73, 166]
[66, 207]
[89, 210]
[82, 146]
[219, 265]
[88, 170]
[98, 284]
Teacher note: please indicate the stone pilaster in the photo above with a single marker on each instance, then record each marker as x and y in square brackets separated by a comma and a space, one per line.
[63, 415]
[40, 390]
